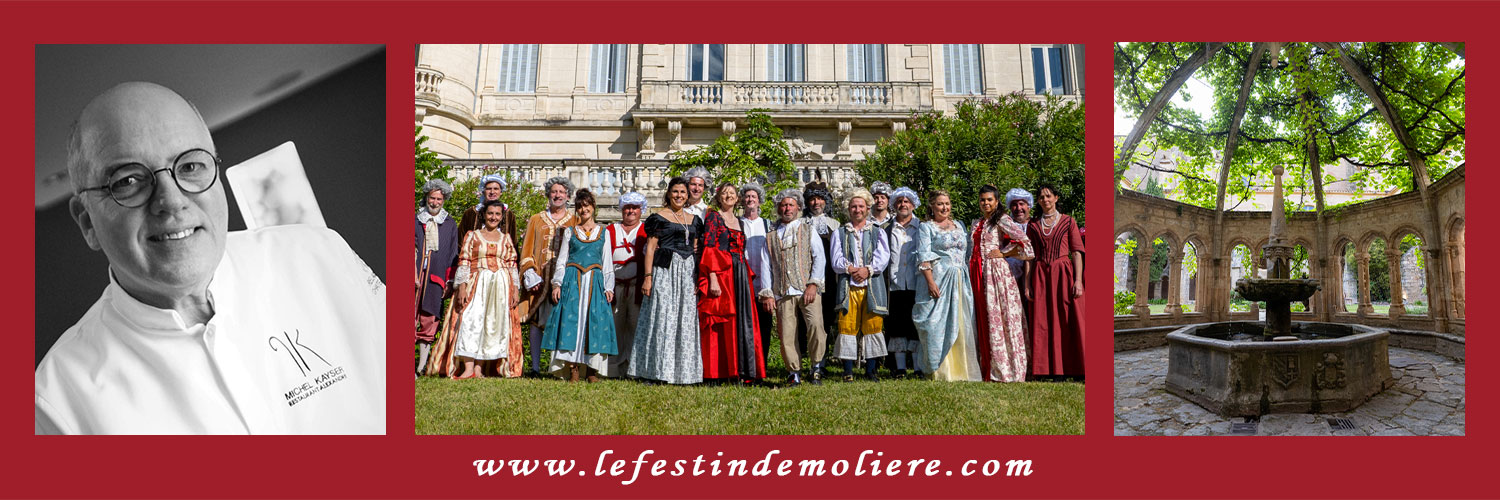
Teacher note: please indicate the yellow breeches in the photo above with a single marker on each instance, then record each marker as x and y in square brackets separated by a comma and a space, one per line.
[858, 320]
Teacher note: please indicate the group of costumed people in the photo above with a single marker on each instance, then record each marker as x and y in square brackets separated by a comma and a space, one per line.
[694, 292]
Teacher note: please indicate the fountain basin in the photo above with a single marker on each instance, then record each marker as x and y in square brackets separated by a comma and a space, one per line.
[1230, 369]
[1277, 290]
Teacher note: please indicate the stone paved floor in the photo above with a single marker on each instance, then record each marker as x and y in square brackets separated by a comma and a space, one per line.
[1426, 400]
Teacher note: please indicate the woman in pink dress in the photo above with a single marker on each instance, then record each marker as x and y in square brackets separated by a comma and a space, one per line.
[1002, 237]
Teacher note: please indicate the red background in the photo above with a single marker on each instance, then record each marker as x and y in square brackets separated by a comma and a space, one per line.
[402, 465]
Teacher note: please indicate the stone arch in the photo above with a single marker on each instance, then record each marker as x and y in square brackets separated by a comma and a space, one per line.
[1168, 237]
[1348, 287]
[1455, 226]
[1403, 230]
[1230, 277]
[1190, 284]
[1369, 237]
[1233, 242]
[1126, 268]
[1456, 253]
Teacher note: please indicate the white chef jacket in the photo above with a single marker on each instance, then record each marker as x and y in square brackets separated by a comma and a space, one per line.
[296, 346]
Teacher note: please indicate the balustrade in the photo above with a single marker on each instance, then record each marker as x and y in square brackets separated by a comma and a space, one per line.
[733, 96]
[428, 80]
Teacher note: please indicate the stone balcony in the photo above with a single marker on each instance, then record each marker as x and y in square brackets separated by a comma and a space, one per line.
[428, 81]
[730, 99]
[609, 179]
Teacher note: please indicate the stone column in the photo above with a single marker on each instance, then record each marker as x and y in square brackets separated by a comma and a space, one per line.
[1398, 305]
[1363, 258]
[1456, 289]
[1174, 284]
[1142, 280]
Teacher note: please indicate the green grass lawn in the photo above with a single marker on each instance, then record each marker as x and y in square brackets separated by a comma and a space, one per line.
[526, 406]
[891, 406]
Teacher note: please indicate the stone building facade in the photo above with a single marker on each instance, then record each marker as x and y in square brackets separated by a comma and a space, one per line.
[610, 115]
[1326, 239]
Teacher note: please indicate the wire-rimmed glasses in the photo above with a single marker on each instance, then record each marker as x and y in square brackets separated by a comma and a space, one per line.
[133, 184]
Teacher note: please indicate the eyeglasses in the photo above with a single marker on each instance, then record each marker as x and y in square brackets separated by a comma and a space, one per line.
[132, 185]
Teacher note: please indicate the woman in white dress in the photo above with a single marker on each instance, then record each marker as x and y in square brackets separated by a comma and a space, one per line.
[488, 293]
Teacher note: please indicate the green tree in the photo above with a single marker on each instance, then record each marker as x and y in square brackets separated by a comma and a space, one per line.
[1300, 94]
[429, 167]
[756, 152]
[523, 197]
[1014, 141]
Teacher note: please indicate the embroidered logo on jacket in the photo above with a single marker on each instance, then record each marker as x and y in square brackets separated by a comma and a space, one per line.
[303, 358]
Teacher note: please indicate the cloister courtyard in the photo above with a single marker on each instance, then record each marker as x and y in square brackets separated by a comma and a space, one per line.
[1371, 139]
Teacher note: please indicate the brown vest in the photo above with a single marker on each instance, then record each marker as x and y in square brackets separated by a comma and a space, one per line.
[791, 266]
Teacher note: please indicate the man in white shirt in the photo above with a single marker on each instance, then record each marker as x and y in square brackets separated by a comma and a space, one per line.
[755, 228]
[627, 246]
[278, 330]
[794, 270]
[860, 253]
[904, 280]
[697, 178]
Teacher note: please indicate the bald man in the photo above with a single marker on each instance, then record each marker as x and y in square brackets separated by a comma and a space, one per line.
[203, 331]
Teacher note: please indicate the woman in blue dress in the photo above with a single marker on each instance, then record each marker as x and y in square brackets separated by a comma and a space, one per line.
[944, 313]
[581, 330]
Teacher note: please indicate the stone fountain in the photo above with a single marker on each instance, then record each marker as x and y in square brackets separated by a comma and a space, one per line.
[1242, 368]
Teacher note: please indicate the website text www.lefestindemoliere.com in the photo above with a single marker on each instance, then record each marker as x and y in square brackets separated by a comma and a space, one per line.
[647, 464]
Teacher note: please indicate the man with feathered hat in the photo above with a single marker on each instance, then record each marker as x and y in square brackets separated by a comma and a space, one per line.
[817, 198]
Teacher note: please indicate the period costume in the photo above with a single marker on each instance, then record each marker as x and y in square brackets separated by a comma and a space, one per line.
[1002, 354]
[1056, 316]
[759, 259]
[538, 260]
[946, 324]
[904, 282]
[730, 327]
[666, 337]
[296, 345]
[627, 247]
[823, 226]
[474, 219]
[795, 260]
[862, 304]
[437, 260]
[581, 328]
[489, 327]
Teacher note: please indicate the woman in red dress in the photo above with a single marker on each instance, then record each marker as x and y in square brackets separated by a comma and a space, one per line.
[726, 305]
[1055, 285]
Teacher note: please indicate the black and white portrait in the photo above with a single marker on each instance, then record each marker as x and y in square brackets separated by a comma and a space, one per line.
[209, 239]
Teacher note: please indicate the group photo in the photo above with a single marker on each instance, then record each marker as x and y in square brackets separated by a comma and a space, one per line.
[749, 239]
